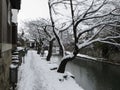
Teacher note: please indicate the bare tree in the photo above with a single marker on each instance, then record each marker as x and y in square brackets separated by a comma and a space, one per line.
[96, 18]
[41, 31]
[56, 31]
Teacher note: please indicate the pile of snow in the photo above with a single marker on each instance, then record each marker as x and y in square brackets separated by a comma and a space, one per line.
[20, 48]
[13, 66]
[86, 56]
[38, 74]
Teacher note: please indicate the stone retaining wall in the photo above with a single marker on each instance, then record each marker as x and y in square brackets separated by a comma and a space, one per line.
[4, 70]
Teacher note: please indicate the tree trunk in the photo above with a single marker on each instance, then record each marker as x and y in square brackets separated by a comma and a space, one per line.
[53, 26]
[50, 50]
[38, 50]
[63, 64]
[61, 52]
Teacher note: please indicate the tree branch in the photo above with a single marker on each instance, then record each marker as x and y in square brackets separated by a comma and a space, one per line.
[95, 26]
[96, 33]
[94, 11]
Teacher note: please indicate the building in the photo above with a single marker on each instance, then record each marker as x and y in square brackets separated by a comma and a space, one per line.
[8, 38]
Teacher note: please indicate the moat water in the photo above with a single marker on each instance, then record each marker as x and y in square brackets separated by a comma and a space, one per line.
[92, 75]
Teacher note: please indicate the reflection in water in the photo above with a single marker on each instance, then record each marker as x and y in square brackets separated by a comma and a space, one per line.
[92, 75]
[81, 77]
[95, 75]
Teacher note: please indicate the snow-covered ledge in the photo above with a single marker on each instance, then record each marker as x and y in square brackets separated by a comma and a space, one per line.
[83, 56]
[14, 15]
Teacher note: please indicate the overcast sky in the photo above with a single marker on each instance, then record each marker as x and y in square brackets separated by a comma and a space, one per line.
[32, 9]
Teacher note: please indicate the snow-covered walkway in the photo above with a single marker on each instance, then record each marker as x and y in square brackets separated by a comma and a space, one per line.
[35, 74]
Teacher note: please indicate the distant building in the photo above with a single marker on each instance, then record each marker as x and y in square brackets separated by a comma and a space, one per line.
[8, 38]
[31, 44]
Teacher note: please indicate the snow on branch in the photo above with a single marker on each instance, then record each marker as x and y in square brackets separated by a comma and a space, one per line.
[45, 30]
[86, 12]
[103, 40]
[101, 16]
[96, 26]
[109, 37]
[95, 34]
[94, 11]
[113, 25]
[85, 16]
[87, 43]
[66, 28]
[107, 42]
[52, 3]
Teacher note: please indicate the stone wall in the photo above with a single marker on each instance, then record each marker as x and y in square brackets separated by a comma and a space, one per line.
[4, 70]
[5, 45]
[92, 52]
[112, 56]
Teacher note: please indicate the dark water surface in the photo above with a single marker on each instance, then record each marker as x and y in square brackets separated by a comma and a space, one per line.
[92, 75]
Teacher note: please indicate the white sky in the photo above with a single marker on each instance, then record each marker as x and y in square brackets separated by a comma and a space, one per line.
[32, 9]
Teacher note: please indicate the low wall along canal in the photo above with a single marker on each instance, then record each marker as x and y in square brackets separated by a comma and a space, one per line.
[93, 75]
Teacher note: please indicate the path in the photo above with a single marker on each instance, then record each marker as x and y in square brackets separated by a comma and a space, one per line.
[35, 74]
[29, 73]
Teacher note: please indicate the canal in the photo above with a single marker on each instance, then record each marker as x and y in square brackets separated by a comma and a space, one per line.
[92, 75]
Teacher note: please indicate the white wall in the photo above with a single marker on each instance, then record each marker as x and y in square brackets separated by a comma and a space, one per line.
[14, 15]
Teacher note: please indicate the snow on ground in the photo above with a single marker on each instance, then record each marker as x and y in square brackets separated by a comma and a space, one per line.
[20, 48]
[35, 74]
[82, 55]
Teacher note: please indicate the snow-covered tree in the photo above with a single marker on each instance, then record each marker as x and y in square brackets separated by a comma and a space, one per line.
[21, 39]
[41, 31]
[88, 17]
[59, 28]
[53, 26]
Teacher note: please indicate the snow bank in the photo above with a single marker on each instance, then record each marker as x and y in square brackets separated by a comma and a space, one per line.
[20, 48]
[13, 66]
[86, 56]
[36, 74]
[82, 55]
